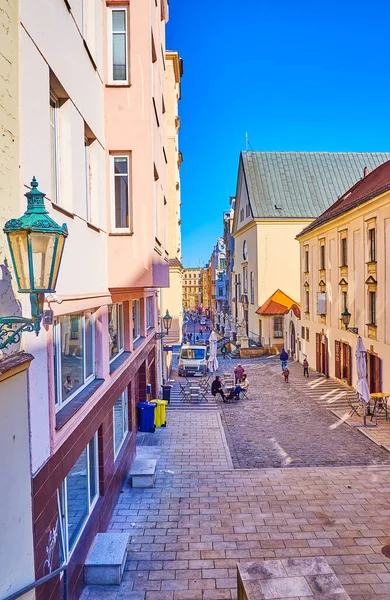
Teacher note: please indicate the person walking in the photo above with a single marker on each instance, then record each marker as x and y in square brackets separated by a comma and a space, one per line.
[286, 373]
[284, 358]
[216, 388]
[305, 367]
[238, 373]
[224, 351]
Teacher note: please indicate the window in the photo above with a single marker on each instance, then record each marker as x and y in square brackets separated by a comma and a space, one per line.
[238, 288]
[136, 314]
[344, 301]
[117, 45]
[149, 312]
[245, 279]
[306, 260]
[303, 333]
[241, 214]
[222, 263]
[252, 280]
[220, 291]
[54, 150]
[120, 193]
[322, 256]
[372, 308]
[115, 330]
[372, 245]
[307, 334]
[87, 179]
[79, 492]
[307, 302]
[120, 421]
[344, 252]
[278, 327]
[74, 355]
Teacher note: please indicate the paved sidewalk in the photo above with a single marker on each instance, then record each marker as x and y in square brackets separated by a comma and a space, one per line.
[291, 424]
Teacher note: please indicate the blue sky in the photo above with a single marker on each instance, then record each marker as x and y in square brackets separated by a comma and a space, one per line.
[295, 75]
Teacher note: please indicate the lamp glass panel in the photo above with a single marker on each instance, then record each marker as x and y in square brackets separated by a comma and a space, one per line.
[18, 245]
[56, 262]
[42, 250]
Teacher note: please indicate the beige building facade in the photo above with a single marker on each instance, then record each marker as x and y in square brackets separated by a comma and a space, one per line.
[171, 298]
[277, 195]
[192, 288]
[344, 268]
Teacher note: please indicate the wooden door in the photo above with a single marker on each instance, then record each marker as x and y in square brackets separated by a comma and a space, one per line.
[348, 363]
[318, 352]
[260, 331]
[337, 360]
[374, 373]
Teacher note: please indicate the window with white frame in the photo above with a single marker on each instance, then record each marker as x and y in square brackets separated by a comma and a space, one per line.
[115, 330]
[278, 327]
[136, 315]
[74, 355]
[117, 45]
[87, 166]
[252, 280]
[120, 193]
[54, 149]
[78, 494]
[120, 420]
[149, 312]
[245, 279]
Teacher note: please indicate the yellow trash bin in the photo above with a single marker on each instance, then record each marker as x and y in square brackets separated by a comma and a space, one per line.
[159, 413]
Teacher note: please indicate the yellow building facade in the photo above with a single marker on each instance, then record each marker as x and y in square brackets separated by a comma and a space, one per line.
[278, 194]
[192, 288]
[345, 272]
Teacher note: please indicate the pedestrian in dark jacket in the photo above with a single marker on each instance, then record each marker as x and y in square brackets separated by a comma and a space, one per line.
[305, 367]
[216, 388]
[284, 358]
[238, 373]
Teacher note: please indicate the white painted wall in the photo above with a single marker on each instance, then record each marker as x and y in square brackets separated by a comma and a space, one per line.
[16, 539]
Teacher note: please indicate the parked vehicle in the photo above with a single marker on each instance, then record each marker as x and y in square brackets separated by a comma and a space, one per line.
[192, 360]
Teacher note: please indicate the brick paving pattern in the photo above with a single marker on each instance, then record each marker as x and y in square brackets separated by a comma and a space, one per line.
[286, 425]
[203, 516]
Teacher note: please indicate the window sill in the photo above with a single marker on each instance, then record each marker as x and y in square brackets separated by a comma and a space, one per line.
[62, 210]
[118, 362]
[150, 329]
[92, 226]
[65, 414]
[138, 342]
[116, 233]
[118, 85]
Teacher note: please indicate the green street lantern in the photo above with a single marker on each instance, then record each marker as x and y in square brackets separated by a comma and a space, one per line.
[36, 243]
[167, 321]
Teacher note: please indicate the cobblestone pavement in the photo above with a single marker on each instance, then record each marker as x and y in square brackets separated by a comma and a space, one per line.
[188, 533]
[282, 425]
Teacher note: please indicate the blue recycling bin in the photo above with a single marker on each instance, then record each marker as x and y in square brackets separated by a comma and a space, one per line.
[146, 416]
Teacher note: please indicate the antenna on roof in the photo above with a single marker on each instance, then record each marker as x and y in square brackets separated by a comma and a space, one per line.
[247, 142]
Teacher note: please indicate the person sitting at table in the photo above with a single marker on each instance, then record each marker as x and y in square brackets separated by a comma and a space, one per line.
[238, 373]
[241, 387]
[216, 388]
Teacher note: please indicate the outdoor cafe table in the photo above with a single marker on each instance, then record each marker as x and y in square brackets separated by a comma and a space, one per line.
[380, 401]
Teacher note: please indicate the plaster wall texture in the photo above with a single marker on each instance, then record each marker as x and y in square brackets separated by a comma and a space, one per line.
[132, 127]
[16, 548]
[250, 236]
[355, 223]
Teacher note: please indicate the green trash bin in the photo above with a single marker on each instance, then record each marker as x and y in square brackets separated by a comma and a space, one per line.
[159, 413]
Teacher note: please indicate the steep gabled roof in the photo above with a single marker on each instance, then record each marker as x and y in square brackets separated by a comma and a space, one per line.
[369, 187]
[277, 304]
[302, 184]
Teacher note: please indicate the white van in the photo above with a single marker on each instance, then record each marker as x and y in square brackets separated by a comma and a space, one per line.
[192, 360]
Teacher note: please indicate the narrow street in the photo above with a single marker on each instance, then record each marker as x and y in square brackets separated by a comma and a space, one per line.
[228, 489]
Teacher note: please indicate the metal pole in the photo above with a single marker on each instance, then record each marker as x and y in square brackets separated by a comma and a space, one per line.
[162, 352]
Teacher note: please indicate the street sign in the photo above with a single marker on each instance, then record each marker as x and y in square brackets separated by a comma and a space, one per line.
[168, 348]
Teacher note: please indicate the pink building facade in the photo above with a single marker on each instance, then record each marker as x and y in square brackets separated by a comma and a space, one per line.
[93, 133]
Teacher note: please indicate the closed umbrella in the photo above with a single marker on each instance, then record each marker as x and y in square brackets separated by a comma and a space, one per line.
[213, 361]
[361, 369]
[362, 390]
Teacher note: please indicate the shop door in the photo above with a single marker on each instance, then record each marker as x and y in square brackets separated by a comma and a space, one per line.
[292, 339]
[374, 373]
[318, 352]
[337, 359]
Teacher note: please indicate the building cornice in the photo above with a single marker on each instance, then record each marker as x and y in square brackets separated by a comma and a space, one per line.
[12, 365]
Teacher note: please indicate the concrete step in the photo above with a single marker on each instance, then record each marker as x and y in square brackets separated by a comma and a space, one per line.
[142, 472]
[106, 559]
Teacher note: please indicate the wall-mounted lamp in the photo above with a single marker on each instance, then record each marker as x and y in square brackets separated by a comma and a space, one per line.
[346, 318]
[36, 243]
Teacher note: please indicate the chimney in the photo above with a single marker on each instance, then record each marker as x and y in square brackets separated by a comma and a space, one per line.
[365, 172]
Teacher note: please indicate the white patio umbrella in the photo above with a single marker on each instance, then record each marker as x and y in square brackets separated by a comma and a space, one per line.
[361, 369]
[227, 325]
[213, 361]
